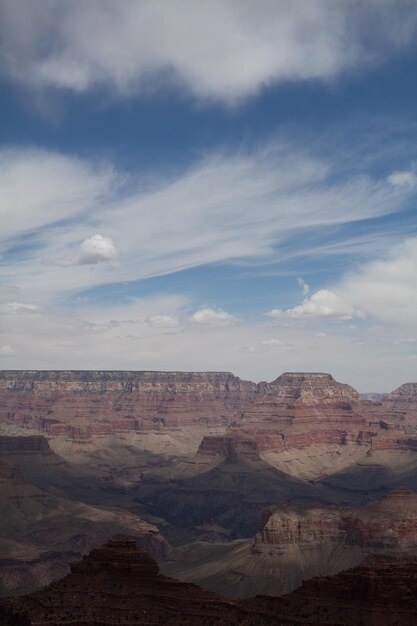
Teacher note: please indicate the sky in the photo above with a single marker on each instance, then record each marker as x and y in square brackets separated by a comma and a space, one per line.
[225, 185]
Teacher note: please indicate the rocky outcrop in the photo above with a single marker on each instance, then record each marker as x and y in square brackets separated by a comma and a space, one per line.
[388, 525]
[119, 584]
[296, 403]
[299, 542]
[381, 594]
[41, 532]
[401, 406]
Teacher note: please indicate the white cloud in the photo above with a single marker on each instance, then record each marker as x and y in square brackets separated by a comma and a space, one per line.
[213, 317]
[162, 321]
[322, 304]
[40, 188]
[398, 179]
[223, 208]
[222, 49]
[387, 288]
[95, 249]
[114, 338]
[6, 351]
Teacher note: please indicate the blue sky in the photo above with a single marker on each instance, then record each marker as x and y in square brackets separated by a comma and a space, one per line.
[210, 186]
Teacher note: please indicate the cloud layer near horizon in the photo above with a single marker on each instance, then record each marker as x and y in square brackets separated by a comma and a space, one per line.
[222, 49]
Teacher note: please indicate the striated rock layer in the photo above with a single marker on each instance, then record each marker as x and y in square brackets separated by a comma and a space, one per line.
[310, 425]
[119, 584]
[401, 405]
[300, 542]
[293, 413]
[82, 403]
[387, 525]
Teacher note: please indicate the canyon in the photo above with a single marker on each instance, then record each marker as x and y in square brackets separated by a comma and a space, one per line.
[244, 488]
[299, 542]
[120, 584]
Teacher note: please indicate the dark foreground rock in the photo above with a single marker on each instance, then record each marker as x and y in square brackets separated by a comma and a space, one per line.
[120, 584]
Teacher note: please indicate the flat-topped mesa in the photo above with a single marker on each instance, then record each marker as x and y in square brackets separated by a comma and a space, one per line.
[310, 386]
[306, 409]
[301, 377]
[107, 401]
[16, 377]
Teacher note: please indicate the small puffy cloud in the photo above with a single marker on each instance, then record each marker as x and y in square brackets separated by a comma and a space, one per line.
[97, 249]
[304, 286]
[213, 317]
[402, 179]
[320, 334]
[94, 250]
[271, 342]
[322, 304]
[6, 351]
[162, 321]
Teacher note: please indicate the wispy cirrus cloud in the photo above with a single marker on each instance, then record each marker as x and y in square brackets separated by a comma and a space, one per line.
[223, 49]
[224, 208]
[40, 188]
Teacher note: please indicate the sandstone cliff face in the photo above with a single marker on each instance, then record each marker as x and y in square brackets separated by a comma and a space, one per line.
[81, 403]
[296, 403]
[300, 410]
[388, 526]
[293, 413]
